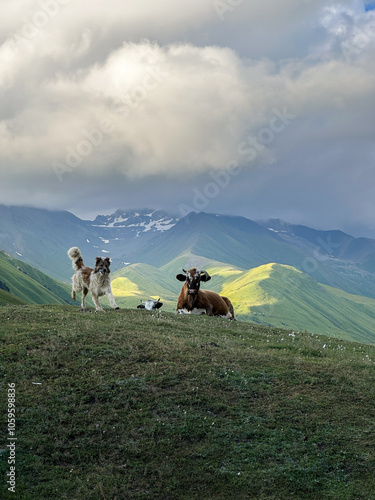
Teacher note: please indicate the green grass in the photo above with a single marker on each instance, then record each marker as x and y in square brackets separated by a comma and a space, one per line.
[246, 291]
[30, 285]
[135, 405]
[7, 298]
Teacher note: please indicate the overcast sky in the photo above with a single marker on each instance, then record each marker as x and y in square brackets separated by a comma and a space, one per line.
[262, 109]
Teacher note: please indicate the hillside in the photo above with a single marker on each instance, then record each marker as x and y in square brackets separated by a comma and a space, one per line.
[284, 297]
[25, 284]
[138, 282]
[234, 240]
[157, 245]
[273, 294]
[327, 244]
[134, 405]
[7, 298]
[41, 238]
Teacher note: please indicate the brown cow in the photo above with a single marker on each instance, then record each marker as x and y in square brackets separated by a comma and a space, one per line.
[196, 301]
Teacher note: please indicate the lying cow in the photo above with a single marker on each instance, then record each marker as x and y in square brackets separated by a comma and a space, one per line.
[195, 301]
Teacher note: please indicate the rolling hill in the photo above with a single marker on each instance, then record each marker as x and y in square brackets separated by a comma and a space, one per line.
[139, 282]
[272, 294]
[284, 297]
[21, 283]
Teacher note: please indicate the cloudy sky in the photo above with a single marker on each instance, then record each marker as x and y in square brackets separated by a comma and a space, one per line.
[262, 109]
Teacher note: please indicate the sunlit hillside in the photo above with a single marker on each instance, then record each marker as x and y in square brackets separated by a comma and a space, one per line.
[273, 294]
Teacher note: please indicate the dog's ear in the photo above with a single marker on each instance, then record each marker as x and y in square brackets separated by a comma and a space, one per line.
[108, 260]
[97, 260]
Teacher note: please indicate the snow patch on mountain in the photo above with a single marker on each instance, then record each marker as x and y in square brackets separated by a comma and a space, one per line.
[133, 222]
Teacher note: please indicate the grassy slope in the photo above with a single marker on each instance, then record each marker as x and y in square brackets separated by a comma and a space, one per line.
[8, 298]
[284, 297]
[31, 285]
[133, 405]
[138, 282]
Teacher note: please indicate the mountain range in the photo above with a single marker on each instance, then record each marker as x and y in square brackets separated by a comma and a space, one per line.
[41, 238]
[275, 273]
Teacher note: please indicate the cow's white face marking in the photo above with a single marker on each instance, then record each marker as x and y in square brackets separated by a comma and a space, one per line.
[193, 279]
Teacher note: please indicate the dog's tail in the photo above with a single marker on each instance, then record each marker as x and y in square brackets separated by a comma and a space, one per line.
[76, 256]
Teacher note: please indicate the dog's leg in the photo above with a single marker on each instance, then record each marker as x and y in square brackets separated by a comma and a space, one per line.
[83, 303]
[112, 300]
[95, 298]
[73, 294]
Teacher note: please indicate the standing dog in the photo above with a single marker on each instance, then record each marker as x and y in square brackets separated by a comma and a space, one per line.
[96, 281]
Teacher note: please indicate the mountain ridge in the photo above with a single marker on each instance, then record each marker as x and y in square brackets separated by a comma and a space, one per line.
[328, 243]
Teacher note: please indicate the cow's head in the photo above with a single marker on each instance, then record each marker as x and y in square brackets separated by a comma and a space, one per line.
[193, 278]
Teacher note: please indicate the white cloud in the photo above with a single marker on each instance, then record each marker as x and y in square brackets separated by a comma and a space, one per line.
[175, 106]
[176, 109]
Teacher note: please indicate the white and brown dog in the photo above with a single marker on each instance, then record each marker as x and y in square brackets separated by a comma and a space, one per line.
[96, 281]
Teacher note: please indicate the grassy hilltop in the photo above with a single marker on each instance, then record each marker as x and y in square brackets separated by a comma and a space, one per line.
[136, 405]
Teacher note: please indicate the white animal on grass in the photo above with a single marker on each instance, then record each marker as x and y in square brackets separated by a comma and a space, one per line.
[150, 305]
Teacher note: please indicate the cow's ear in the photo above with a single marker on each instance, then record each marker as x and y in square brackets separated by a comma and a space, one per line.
[181, 277]
[205, 276]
